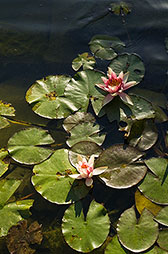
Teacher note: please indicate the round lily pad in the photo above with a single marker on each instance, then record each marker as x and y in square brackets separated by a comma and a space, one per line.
[86, 132]
[27, 146]
[82, 89]
[162, 216]
[105, 47]
[131, 63]
[51, 179]
[47, 97]
[155, 184]
[137, 235]
[163, 239]
[123, 170]
[85, 234]
[86, 148]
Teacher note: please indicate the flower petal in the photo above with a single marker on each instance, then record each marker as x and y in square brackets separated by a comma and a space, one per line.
[105, 80]
[121, 75]
[76, 176]
[125, 98]
[111, 73]
[128, 85]
[102, 86]
[91, 160]
[125, 77]
[98, 171]
[88, 181]
[108, 98]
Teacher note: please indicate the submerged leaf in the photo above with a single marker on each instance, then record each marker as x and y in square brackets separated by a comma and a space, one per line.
[85, 234]
[27, 146]
[120, 8]
[137, 235]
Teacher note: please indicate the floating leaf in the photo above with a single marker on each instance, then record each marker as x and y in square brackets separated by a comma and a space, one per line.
[6, 109]
[142, 202]
[20, 237]
[26, 146]
[160, 115]
[82, 89]
[85, 234]
[84, 60]
[114, 247]
[78, 118]
[86, 148]
[155, 184]
[121, 8]
[163, 239]
[51, 179]
[124, 170]
[3, 163]
[162, 216]
[105, 47]
[131, 63]
[86, 132]
[137, 235]
[47, 97]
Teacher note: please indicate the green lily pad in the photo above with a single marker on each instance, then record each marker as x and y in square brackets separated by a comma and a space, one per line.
[160, 115]
[114, 247]
[163, 239]
[27, 146]
[155, 184]
[124, 169]
[105, 47]
[9, 212]
[85, 234]
[131, 63]
[86, 148]
[82, 89]
[137, 235]
[6, 109]
[160, 251]
[162, 216]
[47, 97]
[51, 179]
[3, 163]
[121, 8]
[86, 132]
[84, 60]
[78, 118]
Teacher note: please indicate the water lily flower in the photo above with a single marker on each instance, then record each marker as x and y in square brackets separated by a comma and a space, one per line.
[86, 169]
[115, 85]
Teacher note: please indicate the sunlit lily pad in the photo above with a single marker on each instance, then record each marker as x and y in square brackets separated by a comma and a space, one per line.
[9, 212]
[114, 247]
[78, 118]
[155, 184]
[124, 170]
[47, 97]
[6, 109]
[163, 239]
[86, 132]
[3, 163]
[82, 234]
[142, 202]
[162, 216]
[137, 235]
[105, 47]
[83, 60]
[51, 179]
[131, 63]
[82, 89]
[27, 146]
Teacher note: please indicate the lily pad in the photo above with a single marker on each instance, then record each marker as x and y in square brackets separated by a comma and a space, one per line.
[131, 63]
[10, 212]
[27, 146]
[120, 8]
[105, 47]
[6, 109]
[86, 132]
[163, 239]
[84, 60]
[21, 236]
[114, 247]
[78, 118]
[82, 89]
[47, 97]
[124, 169]
[3, 163]
[137, 235]
[155, 184]
[142, 202]
[162, 216]
[85, 234]
[86, 148]
[51, 179]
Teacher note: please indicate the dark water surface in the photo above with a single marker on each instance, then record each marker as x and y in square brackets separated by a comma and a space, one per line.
[42, 37]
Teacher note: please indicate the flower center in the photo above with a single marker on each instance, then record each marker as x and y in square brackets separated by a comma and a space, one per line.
[115, 82]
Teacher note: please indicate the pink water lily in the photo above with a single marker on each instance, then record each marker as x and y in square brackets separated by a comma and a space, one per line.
[86, 169]
[115, 85]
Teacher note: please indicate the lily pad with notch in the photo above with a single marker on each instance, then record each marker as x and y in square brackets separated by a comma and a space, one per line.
[6, 109]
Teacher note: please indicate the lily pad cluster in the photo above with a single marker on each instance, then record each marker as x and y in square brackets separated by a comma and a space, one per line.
[110, 195]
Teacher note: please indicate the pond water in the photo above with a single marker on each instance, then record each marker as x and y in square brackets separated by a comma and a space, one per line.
[41, 38]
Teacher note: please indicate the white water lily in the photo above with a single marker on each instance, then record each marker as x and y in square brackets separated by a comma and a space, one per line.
[86, 169]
